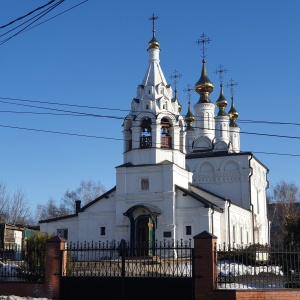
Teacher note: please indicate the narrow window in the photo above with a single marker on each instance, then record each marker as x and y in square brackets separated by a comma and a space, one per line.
[147, 106]
[188, 230]
[102, 230]
[241, 232]
[144, 184]
[257, 202]
[233, 234]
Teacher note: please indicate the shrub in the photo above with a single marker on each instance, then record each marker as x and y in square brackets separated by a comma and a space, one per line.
[35, 256]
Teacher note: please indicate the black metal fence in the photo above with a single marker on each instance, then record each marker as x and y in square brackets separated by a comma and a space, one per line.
[129, 260]
[27, 264]
[258, 266]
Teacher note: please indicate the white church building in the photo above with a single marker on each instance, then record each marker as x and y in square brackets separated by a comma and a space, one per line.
[180, 175]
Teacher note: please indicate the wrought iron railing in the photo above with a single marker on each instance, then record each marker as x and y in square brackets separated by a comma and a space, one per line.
[27, 264]
[258, 266]
[145, 141]
[129, 260]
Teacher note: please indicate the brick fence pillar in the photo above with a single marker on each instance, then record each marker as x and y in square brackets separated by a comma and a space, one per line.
[53, 266]
[205, 265]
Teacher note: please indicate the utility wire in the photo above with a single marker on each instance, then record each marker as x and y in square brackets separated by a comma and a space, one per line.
[47, 11]
[127, 110]
[63, 104]
[60, 132]
[119, 139]
[20, 25]
[29, 28]
[28, 14]
[56, 15]
[76, 113]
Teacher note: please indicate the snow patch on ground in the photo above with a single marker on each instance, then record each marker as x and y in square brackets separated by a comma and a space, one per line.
[20, 298]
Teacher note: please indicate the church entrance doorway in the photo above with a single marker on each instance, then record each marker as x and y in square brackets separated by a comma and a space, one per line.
[145, 234]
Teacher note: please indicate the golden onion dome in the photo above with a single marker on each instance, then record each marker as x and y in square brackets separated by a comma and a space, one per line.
[221, 103]
[179, 107]
[204, 85]
[189, 118]
[153, 43]
[233, 114]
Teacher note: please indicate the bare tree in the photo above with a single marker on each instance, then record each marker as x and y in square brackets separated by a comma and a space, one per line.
[283, 204]
[19, 211]
[4, 203]
[51, 210]
[86, 192]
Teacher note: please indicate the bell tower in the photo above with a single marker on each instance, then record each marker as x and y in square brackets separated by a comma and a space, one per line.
[154, 129]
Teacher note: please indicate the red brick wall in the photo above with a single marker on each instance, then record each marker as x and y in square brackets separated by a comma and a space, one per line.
[287, 294]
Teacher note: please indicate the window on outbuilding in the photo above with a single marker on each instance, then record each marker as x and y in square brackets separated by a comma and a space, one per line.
[63, 233]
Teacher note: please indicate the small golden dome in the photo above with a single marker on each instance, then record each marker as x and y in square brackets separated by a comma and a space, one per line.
[153, 43]
[179, 107]
[221, 103]
[204, 85]
[233, 114]
[189, 118]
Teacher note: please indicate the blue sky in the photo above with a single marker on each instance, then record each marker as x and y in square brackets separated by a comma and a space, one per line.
[95, 55]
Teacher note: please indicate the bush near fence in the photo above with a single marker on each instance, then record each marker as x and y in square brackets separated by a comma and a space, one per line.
[27, 264]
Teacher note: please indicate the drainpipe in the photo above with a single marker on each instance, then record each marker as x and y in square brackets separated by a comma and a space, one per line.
[268, 208]
[212, 219]
[228, 221]
[250, 198]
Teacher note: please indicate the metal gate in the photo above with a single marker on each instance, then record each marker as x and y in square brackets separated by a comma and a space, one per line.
[123, 271]
[116, 288]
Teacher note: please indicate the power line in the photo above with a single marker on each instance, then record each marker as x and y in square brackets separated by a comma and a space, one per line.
[42, 15]
[118, 139]
[29, 27]
[56, 15]
[64, 104]
[60, 132]
[76, 113]
[28, 14]
[127, 110]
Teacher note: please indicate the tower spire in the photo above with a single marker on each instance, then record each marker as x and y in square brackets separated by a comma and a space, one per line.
[175, 77]
[221, 102]
[203, 86]
[202, 41]
[153, 43]
[189, 118]
[233, 113]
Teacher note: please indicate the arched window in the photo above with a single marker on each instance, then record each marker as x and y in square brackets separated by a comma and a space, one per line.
[146, 138]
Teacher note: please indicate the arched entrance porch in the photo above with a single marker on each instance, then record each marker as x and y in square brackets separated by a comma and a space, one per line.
[143, 222]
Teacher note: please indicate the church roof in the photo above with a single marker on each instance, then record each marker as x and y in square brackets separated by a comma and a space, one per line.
[105, 195]
[208, 154]
[199, 198]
